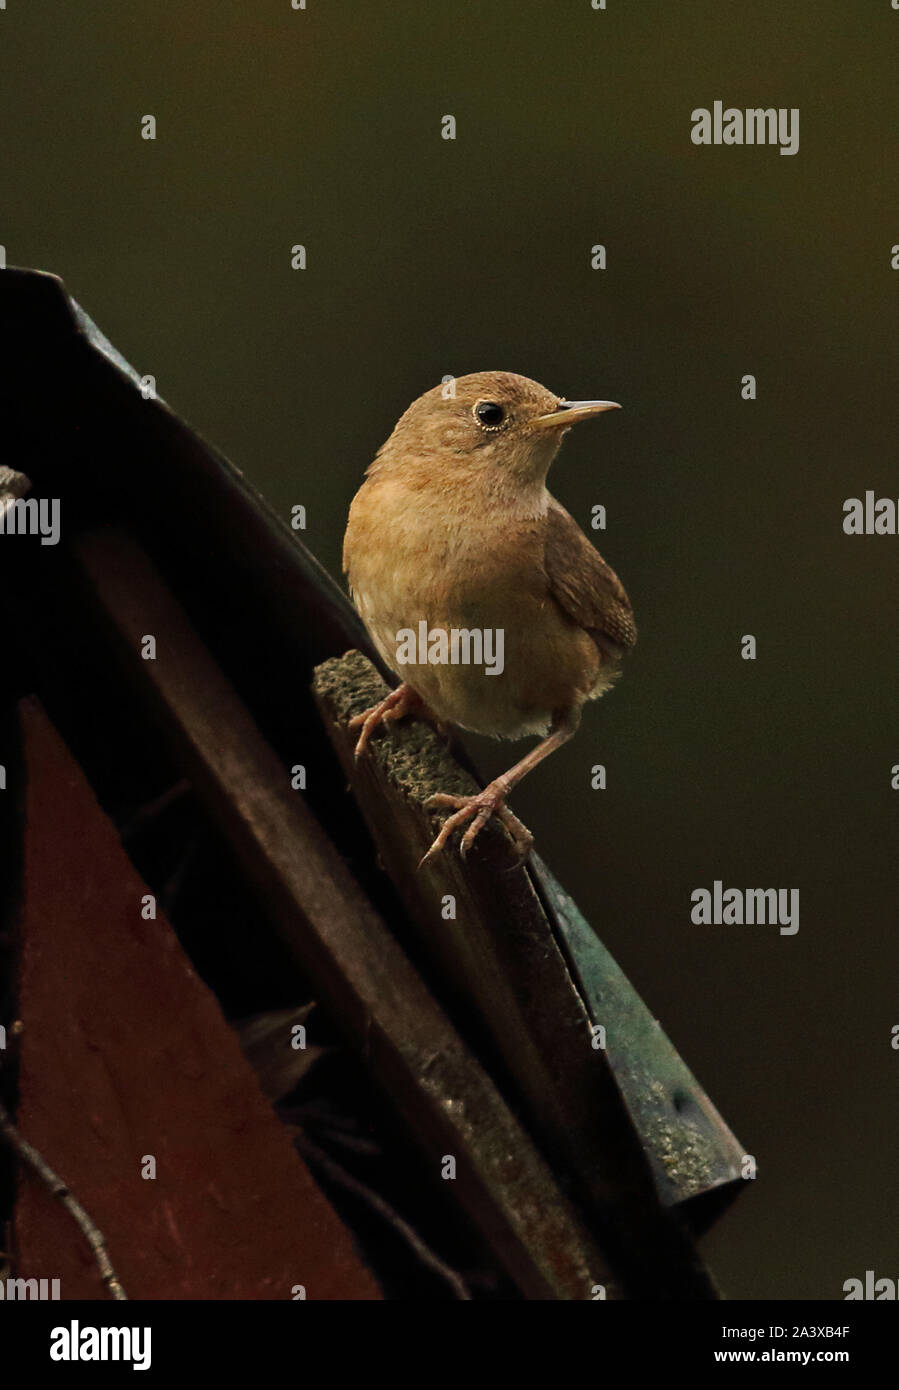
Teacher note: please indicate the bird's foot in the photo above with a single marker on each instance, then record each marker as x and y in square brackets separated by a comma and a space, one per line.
[478, 809]
[400, 702]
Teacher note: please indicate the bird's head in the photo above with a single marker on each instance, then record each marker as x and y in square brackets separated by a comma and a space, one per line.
[495, 423]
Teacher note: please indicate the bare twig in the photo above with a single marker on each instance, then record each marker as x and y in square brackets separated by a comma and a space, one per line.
[151, 810]
[318, 1158]
[175, 882]
[57, 1188]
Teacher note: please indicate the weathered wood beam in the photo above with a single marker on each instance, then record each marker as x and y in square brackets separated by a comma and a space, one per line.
[499, 951]
[360, 973]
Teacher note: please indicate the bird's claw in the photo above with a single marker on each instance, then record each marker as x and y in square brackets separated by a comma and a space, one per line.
[477, 809]
[400, 702]
[394, 706]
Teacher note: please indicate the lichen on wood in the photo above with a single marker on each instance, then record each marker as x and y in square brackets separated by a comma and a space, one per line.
[411, 756]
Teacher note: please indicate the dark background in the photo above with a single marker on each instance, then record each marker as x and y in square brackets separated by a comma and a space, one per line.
[427, 257]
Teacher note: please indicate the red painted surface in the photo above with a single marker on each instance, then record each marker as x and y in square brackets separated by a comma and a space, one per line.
[125, 1053]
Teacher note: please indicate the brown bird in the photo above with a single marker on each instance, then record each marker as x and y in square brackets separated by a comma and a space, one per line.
[453, 534]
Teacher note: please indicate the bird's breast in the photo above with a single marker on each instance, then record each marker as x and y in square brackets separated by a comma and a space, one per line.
[457, 602]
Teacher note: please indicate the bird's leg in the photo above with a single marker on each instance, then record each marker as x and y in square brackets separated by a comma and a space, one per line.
[400, 702]
[491, 801]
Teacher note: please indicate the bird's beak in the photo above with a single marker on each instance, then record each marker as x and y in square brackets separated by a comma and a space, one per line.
[569, 412]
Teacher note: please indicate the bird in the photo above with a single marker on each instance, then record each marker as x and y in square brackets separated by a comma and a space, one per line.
[453, 530]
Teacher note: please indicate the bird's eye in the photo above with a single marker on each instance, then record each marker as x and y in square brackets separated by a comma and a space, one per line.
[489, 413]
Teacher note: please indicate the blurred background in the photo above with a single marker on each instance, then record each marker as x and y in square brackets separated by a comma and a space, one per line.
[427, 257]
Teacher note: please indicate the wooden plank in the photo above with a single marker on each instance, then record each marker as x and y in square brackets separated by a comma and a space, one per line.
[359, 971]
[500, 953]
[124, 1052]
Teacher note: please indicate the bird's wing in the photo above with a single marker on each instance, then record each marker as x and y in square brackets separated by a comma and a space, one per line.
[586, 589]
